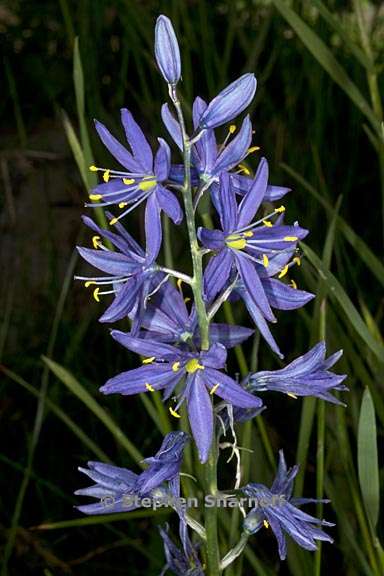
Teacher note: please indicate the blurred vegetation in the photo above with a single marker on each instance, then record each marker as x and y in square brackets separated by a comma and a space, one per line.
[318, 119]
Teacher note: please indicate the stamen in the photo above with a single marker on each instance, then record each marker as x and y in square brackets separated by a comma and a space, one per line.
[148, 360]
[174, 413]
[213, 390]
[88, 283]
[297, 260]
[175, 366]
[146, 185]
[93, 168]
[267, 223]
[232, 128]
[149, 387]
[106, 175]
[96, 241]
[265, 260]
[248, 234]
[253, 149]
[128, 181]
[280, 209]
[186, 300]
[193, 365]
[95, 197]
[266, 524]
[96, 294]
[123, 204]
[293, 284]
[113, 221]
[291, 395]
[243, 168]
[283, 271]
[290, 238]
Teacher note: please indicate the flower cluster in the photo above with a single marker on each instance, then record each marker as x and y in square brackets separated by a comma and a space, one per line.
[246, 254]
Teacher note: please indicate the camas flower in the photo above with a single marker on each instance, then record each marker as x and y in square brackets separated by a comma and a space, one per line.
[167, 50]
[131, 272]
[114, 485]
[143, 178]
[308, 375]
[166, 319]
[276, 508]
[179, 562]
[248, 246]
[165, 366]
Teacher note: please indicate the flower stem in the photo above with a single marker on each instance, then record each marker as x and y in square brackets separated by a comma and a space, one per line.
[213, 555]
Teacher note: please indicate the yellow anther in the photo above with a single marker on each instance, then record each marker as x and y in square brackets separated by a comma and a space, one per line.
[179, 283]
[149, 387]
[248, 234]
[290, 238]
[253, 149]
[244, 169]
[280, 209]
[89, 283]
[113, 221]
[265, 260]
[175, 366]
[95, 197]
[291, 395]
[147, 185]
[293, 284]
[232, 128]
[297, 260]
[174, 413]
[93, 168]
[186, 300]
[95, 241]
[148, 360]
[96, 294]
[106, 175]
[123, 204]
[266, 524]
[283, 272]
[267, 223]
[128, 181]
[213, 390]
[236, 244]
[193, 365]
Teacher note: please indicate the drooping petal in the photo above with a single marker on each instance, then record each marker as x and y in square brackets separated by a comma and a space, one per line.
[284, 297]
[123, 302]
[139, 144]
[116, 149]
[200, 415]
[123, 241]
[252, 200]
[169, 203]
[254, 286]
[212, 239]
[172, 126]
[167, 50]
[153, 231]
[205, 147]
[236, 150]
[229, 334]
[147, 348]
[162, 161]
[217, 273]
[110, 262]
[215, 357]
[227, 205]
[229, 390]
[153, 376]
[230, 102]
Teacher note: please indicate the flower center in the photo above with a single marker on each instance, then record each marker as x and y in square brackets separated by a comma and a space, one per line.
[193, 365]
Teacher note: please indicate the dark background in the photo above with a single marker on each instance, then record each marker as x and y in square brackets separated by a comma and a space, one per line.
[305, 123]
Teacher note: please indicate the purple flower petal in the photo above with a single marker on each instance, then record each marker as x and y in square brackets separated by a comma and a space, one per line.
[172, 126]
[167, 50]
[252, 200]
[200, 415]
[169, 203]
[236, 150]
[229, 390]
[153, 232]
[139, 144]
[162, 161]
[116, 149]
[254, 286]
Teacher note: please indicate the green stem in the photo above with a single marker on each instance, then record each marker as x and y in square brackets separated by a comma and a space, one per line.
[210, 469]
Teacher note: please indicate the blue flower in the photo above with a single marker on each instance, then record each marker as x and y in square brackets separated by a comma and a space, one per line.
[276, 508]
[114, 486]
[143, 177]
[230, 102]
[131, 272]
[165, 366]
[180, 562]
[308, 375]
[167, 50]
[166, 319]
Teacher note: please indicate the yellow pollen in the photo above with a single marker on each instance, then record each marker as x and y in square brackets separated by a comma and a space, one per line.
[232, 128]
[238, 244]
[297, 260]
[267, 223]
[175, 366]
[89, 283]
[123, 204]
[149, 387]
[266, 524]
[113, 221]
[95, 241]
[147, 185]
[245, 169]
[280, 209]
[93, 168]
[186, 300]
[128, 181]
[291, 395]
[95, 197]
[293, 284]
[248, 234]
[213, 390]
[148, 360]
[96, 294]
[106, 175]
[174, 413]
[253, 149]
[290, 238]
[179, 283]
[283, 272]
[193, 365]
[265, 260]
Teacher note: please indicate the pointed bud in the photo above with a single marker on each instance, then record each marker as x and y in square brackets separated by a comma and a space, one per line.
[167, 50]
[230, 102]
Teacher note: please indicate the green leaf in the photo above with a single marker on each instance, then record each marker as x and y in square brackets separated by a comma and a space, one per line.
[102, 519]
[324, 56]
[367, 458]
[76, 388]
